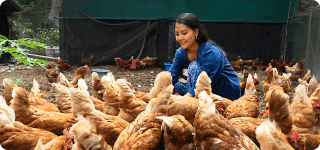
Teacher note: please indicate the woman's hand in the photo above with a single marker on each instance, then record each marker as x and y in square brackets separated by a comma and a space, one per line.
[188, 95]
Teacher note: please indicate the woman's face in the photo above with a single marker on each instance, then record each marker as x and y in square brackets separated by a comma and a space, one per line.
[186, 36]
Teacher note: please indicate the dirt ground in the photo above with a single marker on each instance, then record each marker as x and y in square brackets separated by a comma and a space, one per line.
[141, 80]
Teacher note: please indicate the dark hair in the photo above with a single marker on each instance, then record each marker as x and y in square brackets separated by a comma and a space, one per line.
[192, 22]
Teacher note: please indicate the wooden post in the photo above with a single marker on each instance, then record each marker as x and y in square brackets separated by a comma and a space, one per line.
[285, 40]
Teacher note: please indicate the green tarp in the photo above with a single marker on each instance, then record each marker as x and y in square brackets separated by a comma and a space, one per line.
[264, 11]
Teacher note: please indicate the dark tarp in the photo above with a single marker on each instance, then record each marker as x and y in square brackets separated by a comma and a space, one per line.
[106, 42]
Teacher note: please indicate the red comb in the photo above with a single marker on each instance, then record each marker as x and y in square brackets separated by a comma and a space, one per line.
[87, 67]
[252, 77]
[315, 106]
[296, 136]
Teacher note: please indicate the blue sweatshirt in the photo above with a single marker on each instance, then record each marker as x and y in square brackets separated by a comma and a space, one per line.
[225, 81]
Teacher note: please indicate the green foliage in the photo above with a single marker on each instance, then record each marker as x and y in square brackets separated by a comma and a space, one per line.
[49, 37]
[18, 49]
[17, 80]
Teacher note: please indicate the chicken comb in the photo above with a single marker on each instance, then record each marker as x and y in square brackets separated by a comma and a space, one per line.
[252, 77]
[296, 136]
[67, 134]
[87, 67]
[315, 106]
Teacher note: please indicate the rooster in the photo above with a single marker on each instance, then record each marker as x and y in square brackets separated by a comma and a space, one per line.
[86, 61]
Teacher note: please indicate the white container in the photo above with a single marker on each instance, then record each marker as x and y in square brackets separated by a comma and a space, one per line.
[52, 52]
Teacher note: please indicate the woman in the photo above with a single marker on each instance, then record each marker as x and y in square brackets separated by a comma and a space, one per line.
[198, 53]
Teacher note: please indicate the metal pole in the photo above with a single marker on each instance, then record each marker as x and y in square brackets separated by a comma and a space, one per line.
[308, 38]
[285, 40]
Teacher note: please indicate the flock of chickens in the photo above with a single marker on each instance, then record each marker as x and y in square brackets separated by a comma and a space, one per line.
[118, 117]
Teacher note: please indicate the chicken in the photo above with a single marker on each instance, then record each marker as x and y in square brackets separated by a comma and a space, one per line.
[280, 65]
[303, 115]
[213, 131]
[312, 86]
[245, 106]
[142, 95]
[296, 71]
[22, 137]
[268, 69]
[110, 96]
[246, 64]
[108, 125]
[248, 126]
[315, 101]
[86, 135]
[58, 143]
[62, 80]
[7, 116]
[188, 106]
[149, 61]
[82, 86]
[130, 106]
[268, 96]
[48, 65]
[185, 106]
[290, 64]
[162, 80]
[54, 122]
[86, 61]
[8, 86]
[308, 141]
[256, 82]
[63, 98]
[37, 99]
[97, 86]
[270, 136]
[62, 65]
[52, 75]
[283, 81]
[124, 64]
[307, 76]
[279, 111]
[243, 84]
[139, 64]
[255, 63]
[145, 131]
[177, 133]
[236, 65]
[267, 82]
[170, 60]
[261, 66]
[79, 74]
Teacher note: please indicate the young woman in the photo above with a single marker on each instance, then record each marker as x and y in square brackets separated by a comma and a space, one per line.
[196, 54]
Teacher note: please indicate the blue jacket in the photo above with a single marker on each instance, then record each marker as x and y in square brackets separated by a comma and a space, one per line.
[225, 81]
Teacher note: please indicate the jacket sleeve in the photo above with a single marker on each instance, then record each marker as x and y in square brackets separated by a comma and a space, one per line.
[210, 61]
[177, 66]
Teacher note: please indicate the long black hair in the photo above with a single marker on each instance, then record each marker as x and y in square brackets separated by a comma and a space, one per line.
[192, 22]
